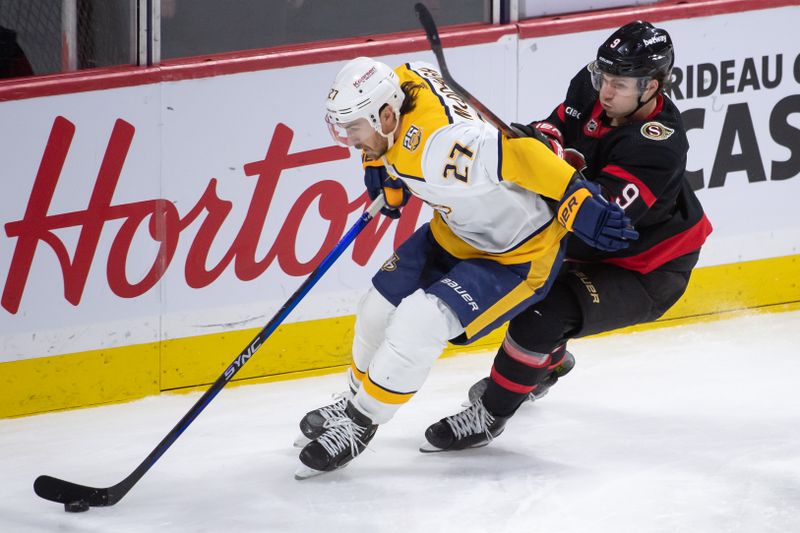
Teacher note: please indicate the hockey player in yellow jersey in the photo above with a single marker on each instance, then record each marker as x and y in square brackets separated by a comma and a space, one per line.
[492, 248]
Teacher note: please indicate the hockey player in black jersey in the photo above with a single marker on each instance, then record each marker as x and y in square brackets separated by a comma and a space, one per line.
[619, 127]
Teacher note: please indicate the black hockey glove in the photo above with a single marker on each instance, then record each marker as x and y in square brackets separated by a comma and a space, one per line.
[595, 220]
[396, 194]
[545, 133]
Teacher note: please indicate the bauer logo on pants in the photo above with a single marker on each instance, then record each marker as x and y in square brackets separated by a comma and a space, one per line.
[467, 297]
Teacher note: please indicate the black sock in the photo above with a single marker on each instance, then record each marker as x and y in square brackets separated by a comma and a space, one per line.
[500, 401]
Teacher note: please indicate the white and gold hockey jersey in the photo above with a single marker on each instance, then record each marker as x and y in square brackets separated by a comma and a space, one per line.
[486, 189]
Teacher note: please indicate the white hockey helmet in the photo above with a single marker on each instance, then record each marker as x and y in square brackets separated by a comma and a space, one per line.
[355, 99]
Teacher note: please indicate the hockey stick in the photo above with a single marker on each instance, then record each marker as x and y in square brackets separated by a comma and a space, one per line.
[426, 19]
[80, 497]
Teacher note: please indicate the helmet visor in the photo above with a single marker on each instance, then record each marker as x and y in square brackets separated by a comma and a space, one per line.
[353, 133]
[621, 85]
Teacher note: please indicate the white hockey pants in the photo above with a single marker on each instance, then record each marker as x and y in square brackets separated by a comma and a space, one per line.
[394, 349]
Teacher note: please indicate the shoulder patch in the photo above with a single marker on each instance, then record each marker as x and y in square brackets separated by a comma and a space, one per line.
[412, 138]
[656, 131]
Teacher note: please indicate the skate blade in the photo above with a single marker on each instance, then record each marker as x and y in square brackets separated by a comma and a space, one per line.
[301, 441]
[427, 447]
[304, 472]
[533, 397]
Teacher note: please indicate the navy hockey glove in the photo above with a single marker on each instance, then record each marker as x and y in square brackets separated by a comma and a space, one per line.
[595, 220]
[396, 194]
[545, 133]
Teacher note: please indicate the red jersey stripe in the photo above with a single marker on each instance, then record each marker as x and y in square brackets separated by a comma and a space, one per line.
[560, 110]
[667, 250]
[644, 191]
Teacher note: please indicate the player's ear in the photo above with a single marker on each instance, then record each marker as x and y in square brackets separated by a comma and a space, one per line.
[652, 88]
[388, 120]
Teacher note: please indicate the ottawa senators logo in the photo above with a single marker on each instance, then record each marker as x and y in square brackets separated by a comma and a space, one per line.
[412, 138]
[656, 131]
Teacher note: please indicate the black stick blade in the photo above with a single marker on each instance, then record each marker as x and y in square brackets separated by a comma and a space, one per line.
[432, 33]
[426, 19]
[58, 490]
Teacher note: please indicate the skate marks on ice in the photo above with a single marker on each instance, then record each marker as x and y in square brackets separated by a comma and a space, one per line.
[693, 428]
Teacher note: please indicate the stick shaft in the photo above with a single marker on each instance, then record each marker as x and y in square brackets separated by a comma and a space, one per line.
[432, 33]
[61, 491]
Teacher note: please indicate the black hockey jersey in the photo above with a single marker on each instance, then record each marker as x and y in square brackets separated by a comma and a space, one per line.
[641, 166]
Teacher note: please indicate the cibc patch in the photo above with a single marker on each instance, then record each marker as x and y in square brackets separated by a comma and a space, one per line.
[656, 131]
[412, 138]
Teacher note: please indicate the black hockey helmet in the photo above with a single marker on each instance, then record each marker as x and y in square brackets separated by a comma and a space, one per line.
[637, 50]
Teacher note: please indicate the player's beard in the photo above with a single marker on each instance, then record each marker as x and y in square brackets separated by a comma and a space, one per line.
[375, 148]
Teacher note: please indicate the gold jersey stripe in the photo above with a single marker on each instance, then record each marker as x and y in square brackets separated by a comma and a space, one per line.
[533, 250]
[429, 115]
[531, 165]
[537, 277]
[384, 395]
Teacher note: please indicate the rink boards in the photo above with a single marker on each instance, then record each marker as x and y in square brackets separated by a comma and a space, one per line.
[154, 219]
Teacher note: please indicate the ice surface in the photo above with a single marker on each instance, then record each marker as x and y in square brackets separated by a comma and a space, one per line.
[684, 429]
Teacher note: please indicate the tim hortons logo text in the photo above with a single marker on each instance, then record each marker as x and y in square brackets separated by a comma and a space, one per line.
[36, 230]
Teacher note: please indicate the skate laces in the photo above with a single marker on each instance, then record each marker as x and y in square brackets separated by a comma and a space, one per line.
[340, 433]
[471, 421]
[336, 409]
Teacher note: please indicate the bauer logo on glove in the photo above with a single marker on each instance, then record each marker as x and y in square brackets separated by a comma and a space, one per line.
[595, 220]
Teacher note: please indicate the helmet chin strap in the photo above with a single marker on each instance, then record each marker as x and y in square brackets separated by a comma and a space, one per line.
[390, 136]
[638, 107]
[642, 104]
[389, 139]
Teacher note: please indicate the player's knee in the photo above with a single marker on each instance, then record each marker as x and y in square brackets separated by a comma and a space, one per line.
[373, 307]
[372, 316]
[421, 326]
[537, 329]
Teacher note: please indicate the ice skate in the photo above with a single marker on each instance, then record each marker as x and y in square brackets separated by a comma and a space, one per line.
[312, 425]
[471, 428]
[477, 390]
[343, 438]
